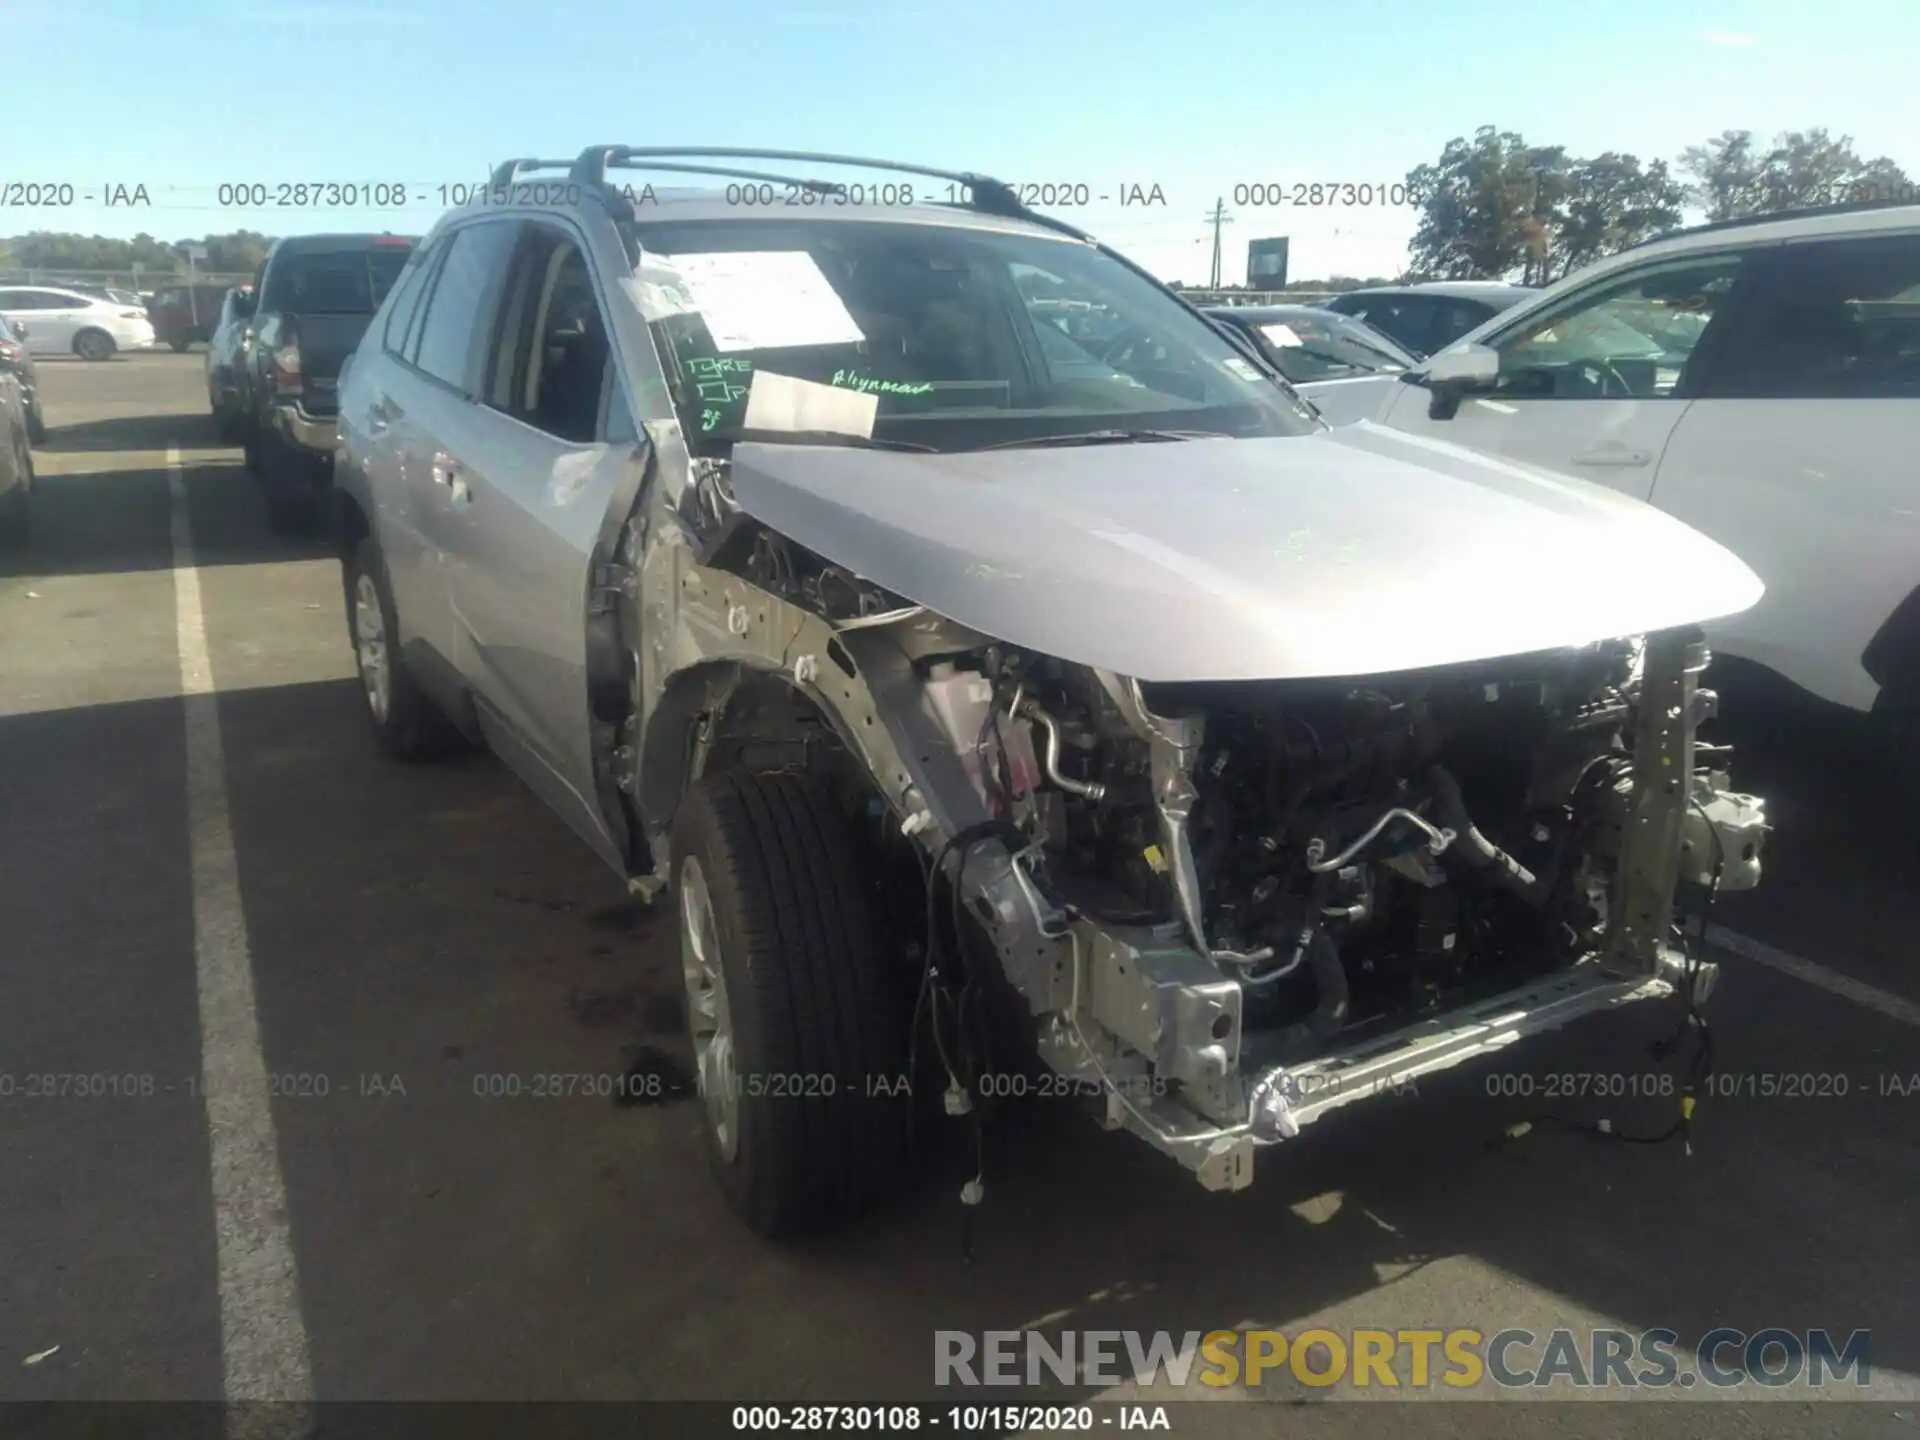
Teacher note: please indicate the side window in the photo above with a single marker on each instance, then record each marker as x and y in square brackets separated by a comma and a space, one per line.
[459, 304]
[1407, 319]
[12, 300]
[551, 360]
[1631, 339]
[1840, 319]
[406, 300]
[1454, 318]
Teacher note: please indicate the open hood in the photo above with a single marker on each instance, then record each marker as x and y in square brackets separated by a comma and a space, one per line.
[1347, 552]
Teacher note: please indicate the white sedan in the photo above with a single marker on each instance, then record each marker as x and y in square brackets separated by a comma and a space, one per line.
[67, 322]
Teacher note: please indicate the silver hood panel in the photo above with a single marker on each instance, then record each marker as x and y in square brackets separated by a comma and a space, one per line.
[1352, 551]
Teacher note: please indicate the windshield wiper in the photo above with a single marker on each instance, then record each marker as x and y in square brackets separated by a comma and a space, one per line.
[830, 437]
[1103, 437]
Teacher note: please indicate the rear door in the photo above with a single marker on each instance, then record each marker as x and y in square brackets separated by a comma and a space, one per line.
[427, 404]
[379, 429]
[1594, 384]
[1802, 456]
[542, 456]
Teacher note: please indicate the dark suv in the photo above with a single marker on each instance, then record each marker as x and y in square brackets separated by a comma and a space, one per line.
[316, 295]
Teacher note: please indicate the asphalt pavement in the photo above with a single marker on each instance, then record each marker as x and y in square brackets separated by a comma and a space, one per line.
[421, 941]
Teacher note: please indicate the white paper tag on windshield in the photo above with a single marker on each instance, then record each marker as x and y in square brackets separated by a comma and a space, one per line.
[764, 299]
[784, 403]
[1280, 334]
[1240, 367]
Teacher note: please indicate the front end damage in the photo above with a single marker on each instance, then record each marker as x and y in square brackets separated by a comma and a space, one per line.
[1228, 908]
[1242, 906]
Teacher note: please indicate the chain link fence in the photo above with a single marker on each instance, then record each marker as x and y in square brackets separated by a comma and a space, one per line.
[143, 280]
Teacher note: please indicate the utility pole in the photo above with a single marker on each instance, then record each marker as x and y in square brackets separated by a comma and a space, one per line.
[1217, 218]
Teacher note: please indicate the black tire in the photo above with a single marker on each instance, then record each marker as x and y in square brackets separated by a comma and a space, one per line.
[178, 345]
[36, 425]
[94, 345]
[412, 728]
[250, 455]
[813, 1005]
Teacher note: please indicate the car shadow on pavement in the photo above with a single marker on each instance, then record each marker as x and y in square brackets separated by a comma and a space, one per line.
[112, 521]
[476, 1217]
[129, 432]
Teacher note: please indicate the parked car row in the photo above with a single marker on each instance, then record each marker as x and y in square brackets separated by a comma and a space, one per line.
[64, 321]
[789, 555]
[274, 357]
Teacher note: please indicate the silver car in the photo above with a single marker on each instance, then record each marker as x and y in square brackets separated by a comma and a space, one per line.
[1004, 711]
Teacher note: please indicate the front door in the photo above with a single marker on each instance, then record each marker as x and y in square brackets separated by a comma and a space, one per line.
[545, 453]
[1594, 385]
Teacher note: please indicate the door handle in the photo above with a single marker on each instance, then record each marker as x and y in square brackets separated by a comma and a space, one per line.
[1613, 457]
[1617, 457]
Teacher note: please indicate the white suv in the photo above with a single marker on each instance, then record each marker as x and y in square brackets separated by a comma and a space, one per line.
[68, 322]
[1759, 380]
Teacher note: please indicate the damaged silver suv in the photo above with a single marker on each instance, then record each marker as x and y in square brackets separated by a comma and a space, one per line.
[1010, 680]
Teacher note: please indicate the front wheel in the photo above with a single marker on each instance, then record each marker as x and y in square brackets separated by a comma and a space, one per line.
[178, 345]
[799, 1028]
[36, 424]
[94, 345]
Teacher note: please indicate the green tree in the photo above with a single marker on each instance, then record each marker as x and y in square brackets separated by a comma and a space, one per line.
[1733, 178]
[1475, 203]
[1497, 208]
[1611, 202]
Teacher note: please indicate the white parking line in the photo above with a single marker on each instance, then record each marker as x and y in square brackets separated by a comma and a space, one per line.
[1832, 981]
[262, 1339]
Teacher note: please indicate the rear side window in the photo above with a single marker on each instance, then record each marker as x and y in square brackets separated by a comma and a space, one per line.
[406, 302]
[1840, 319]
[460, 302]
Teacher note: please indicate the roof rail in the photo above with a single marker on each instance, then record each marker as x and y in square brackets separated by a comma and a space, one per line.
[984, 193]
[1808, 212]
[507, 171]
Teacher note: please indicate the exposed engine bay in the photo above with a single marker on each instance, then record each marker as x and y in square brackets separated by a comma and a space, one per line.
[1355, 850]
[1232, 906]
[1349, 857]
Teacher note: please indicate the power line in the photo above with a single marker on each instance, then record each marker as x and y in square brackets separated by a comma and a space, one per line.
[1217, 218]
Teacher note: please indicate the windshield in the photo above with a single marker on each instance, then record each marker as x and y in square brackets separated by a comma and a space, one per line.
[964, 338]
[343, 282]
[1319, 345]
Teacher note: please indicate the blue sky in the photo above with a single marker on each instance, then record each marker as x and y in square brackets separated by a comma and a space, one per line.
[1195, 99]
